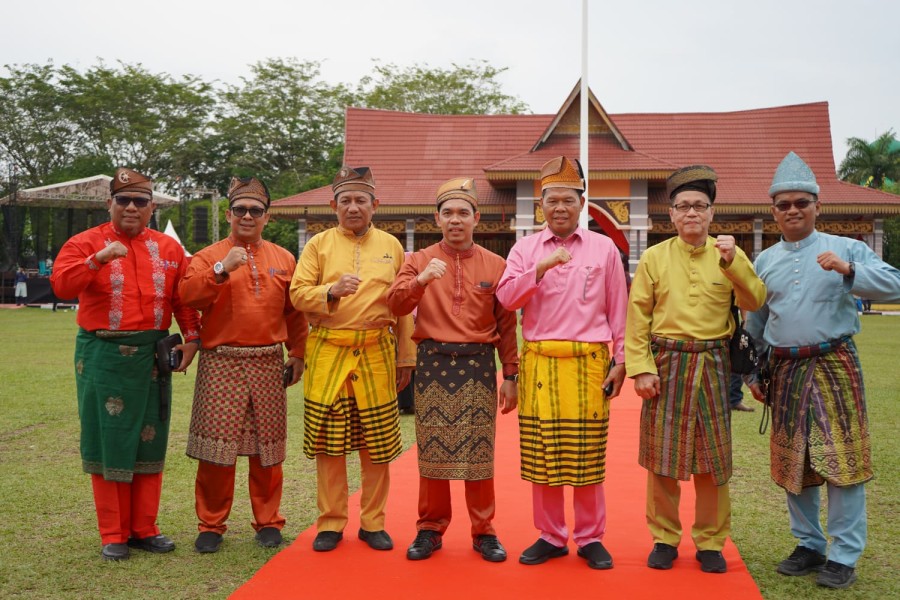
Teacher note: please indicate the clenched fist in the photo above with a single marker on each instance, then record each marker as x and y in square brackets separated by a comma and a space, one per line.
[726, 247]
[235, 259]
[832, 262]
[435, 269]
[113, 251]
[560, 256]
[345, 286]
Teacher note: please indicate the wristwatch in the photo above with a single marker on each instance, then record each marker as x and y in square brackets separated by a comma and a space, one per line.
[219, 269]
[511, 377]
[852, 272]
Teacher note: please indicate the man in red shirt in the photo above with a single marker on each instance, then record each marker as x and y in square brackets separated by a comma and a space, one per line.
[240, 285]
[125, 277]
[460, 323]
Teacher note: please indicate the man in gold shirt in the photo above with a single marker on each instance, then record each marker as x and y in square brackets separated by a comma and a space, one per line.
[358, 356]
[676, 349]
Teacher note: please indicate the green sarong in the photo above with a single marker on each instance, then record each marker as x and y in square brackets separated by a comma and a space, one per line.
[118, 404]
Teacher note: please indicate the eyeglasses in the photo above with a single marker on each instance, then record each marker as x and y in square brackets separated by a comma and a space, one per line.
[255, 212]
[700, 207]
[786, 205]
[139, 201]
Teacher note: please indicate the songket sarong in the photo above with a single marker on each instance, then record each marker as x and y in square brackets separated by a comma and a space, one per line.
[456, 410]
[820, 427]
[563, 413]
[119, 403]
[350, 393]
[240, 406]
[687, 428]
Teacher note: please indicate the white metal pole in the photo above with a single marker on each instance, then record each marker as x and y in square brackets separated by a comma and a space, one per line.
[585, 164]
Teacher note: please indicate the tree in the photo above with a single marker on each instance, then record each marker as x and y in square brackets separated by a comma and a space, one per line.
[869, 164]
[144, 120]
[281, 125]
[470, 89]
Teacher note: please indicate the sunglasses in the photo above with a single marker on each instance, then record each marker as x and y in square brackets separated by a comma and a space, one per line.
[139, 201]
[786, 205]
[255, 212]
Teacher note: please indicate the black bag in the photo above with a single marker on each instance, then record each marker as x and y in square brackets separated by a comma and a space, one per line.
[167, 358]
[741, 347]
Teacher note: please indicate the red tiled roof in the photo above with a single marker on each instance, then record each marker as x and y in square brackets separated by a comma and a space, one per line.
[412, 154]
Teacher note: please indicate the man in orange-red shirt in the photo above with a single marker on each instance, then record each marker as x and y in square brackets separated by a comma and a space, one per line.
[125, 277]
[460, 323]
[240, 285]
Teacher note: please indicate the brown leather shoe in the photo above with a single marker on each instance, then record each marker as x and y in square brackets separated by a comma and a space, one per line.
[740, 406]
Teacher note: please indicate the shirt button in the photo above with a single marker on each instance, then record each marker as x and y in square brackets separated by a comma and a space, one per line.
[796, 270]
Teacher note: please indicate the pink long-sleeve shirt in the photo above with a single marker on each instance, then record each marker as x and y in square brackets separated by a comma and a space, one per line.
[584, 300]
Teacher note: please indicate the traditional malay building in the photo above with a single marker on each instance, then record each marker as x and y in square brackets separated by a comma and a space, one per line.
[630, 157]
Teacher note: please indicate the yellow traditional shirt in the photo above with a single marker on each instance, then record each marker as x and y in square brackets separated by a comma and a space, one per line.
[375, 257]
[684, 293]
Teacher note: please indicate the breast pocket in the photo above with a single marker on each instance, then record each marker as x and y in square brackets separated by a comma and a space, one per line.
[589, 279]
[826, 287]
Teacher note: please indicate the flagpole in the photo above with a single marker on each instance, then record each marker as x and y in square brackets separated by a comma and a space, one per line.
[583, 218]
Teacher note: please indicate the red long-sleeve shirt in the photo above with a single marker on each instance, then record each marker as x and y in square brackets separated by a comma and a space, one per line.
[137, 292]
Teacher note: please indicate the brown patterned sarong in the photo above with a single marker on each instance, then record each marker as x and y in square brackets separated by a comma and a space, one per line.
[456, 410]
[820, 428]
[687, 428]
[240, 406]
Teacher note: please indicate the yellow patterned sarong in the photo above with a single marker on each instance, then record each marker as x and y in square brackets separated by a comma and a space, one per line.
[350, 391]
[563, 413]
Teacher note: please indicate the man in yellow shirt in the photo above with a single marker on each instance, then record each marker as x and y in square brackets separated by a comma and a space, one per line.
[676, 349]
[358, 356]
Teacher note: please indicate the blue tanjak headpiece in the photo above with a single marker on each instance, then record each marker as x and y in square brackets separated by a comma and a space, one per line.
[793, 175]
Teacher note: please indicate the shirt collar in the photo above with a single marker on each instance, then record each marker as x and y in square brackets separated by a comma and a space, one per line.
[449, 251]
[805, 242]
[348, 233]
[236, 242]
[547, 235]
[689, 248]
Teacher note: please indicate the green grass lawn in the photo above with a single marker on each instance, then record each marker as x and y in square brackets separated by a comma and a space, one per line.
[48, 534]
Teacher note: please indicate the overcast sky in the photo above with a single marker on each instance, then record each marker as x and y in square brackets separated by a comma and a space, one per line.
[645, 55]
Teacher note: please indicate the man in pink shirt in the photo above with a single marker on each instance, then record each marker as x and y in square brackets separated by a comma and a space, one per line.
[570, 284]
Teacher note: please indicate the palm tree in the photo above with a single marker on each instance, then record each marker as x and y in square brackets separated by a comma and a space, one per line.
[869, 164]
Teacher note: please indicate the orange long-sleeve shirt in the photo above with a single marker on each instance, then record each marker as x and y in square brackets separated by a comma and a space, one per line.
[137, 292]
[461, 306]
[252, 306]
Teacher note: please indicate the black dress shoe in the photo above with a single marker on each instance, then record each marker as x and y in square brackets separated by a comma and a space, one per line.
[541, 551]
[159, 544]
[711, 561]
[377, 540]
[424, 545]
[662, 556]
[269, 537]
[596, 555]
[208, 542]
[114, 552]
[490, 548]
[326, 541]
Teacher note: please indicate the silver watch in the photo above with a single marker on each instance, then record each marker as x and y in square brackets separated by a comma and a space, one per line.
[219, 269]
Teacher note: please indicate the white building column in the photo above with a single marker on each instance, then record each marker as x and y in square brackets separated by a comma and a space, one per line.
[639, 219]
[525, 202]
[757, 237]
[878, 237]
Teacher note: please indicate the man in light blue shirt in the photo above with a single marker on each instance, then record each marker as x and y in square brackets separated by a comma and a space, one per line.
[814, 374]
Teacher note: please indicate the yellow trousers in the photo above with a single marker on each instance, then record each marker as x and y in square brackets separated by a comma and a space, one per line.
[712, 511]
[333, 492]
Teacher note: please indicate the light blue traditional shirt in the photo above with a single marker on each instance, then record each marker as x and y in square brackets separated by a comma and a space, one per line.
[808, 305]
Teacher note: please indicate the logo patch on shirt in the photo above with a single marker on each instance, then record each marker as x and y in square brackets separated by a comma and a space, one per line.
[485, 284]
[273, 272]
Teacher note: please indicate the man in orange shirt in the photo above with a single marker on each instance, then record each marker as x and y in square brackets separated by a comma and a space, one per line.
[460, 323]
[240, 286]
[125, 277]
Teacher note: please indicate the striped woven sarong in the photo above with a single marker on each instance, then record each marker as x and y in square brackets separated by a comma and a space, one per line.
[456, 410]
[820, 427]
[119, 403]
[240, 406]
[350, 393]
[687, 428]
[563, 413]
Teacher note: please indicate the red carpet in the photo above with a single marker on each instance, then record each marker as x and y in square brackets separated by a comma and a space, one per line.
[457, 571]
